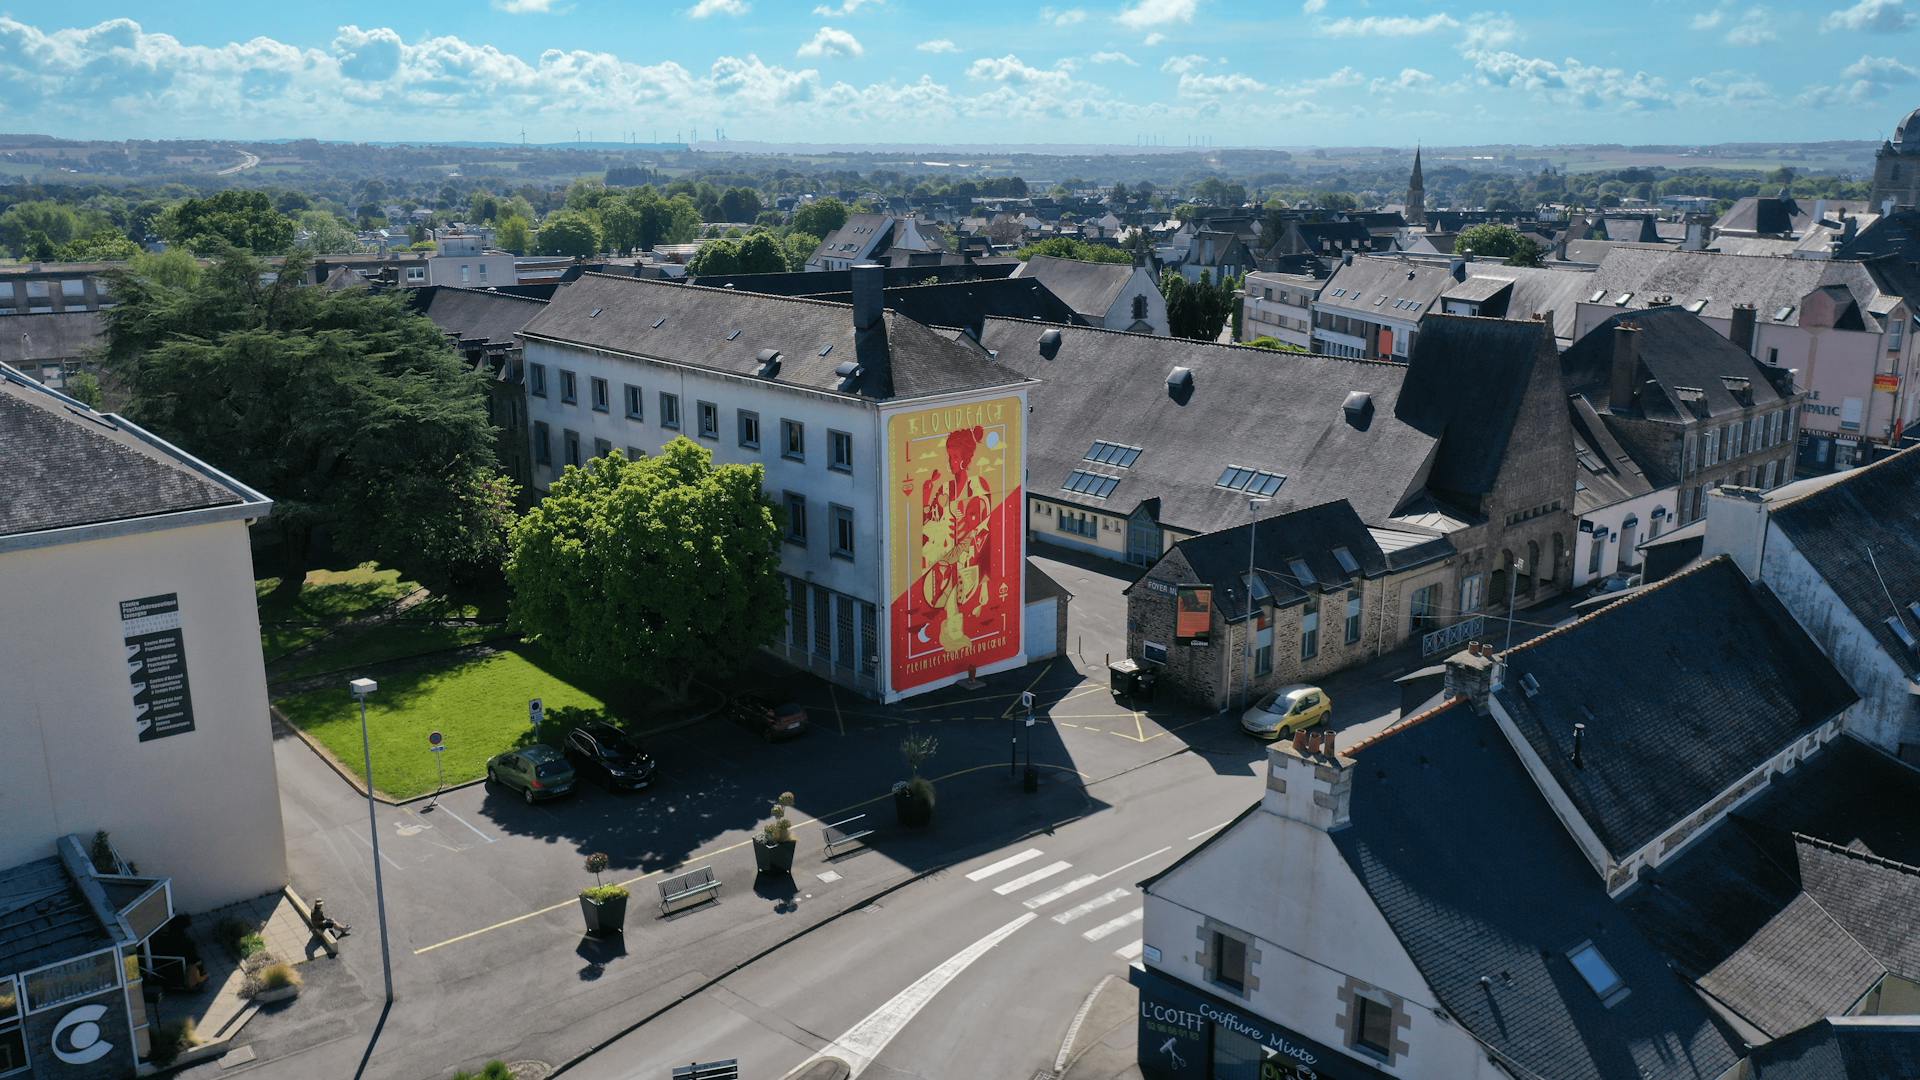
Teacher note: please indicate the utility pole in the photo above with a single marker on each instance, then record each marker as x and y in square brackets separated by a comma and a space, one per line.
[361, 689]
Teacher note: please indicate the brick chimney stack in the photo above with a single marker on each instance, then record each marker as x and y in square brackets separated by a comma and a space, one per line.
[1470, 675]
[1626, 367]
[1309, 781]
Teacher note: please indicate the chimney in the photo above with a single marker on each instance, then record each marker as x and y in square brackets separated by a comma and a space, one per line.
[870, 330]
[1309, 781]
[1741, 330]
[1819, 211]
[1457, 266]
[1470, 675]
[1579, 736]
[1849, 226]
[1736, 527]
[1697, 227]
[1626, 363]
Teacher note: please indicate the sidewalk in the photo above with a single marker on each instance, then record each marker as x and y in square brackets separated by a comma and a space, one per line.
[1103, 1046]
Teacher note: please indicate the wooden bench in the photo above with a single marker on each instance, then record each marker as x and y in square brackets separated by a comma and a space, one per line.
[709, 1070]
[693, 884]
[848, 831]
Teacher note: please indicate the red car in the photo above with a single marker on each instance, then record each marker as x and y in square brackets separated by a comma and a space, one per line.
[768, 718]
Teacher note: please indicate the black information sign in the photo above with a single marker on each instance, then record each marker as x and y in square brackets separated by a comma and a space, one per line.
[156, 666]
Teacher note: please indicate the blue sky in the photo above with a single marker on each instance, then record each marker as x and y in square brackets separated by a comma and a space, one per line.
[1275, 73]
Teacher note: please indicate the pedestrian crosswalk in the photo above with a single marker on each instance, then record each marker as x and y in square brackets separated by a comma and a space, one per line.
[1075, 897]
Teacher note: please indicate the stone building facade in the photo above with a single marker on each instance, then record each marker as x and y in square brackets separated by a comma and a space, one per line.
[1896, 167]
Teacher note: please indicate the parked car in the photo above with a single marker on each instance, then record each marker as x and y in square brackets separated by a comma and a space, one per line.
[1296, 707]
[537, 772]
[602, 750]
[767, 717]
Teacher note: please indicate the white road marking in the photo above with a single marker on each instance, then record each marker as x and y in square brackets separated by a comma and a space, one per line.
[447, 811]
[1134, 863]
[1130, 952]
[1053, 894]
[1092, 905]
[864, 1041]
[1025, 880]
[368, 844]
[1007, 863]
[1209, 832]
[1114, 926]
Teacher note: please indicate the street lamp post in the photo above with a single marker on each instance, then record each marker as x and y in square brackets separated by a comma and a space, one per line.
[1246, 660]
[361, 689]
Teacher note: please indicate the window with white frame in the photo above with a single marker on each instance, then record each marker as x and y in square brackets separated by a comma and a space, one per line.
[634, 399]
[1309, 635]
[598, 387]
[569, 387]
[709, 420]
[749, 429]
[1473, 589]
[793, 440]
[670, 411]
[1353, 616]
[839, 451]
[842, 532]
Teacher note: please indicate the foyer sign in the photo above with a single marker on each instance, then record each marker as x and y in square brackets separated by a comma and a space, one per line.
[156, 666]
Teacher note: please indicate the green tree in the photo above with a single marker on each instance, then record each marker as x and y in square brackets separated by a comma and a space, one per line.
[798, 247]
[241, 219]
[620, 224]
[739, 204]
[820, 217]
[661, 570]
[175, 270]
[37, 230]
[1066, 247]
[1494, 241]
[326, 234]
[100, 245]
[354, 414]
[756, 254]
[85, 386]
[513, 234]
[568, 232]
[1196, 309]
[1274, 343]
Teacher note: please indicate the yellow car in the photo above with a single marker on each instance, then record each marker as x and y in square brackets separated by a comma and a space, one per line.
[1286, 710]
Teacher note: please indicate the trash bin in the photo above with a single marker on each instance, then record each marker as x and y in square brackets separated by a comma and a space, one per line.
[1123, 677]
[1143, 685]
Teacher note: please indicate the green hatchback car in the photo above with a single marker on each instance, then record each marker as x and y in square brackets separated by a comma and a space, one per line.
[537, 772]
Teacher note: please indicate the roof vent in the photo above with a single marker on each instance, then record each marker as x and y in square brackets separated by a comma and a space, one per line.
[1359, 409]
[1529, 684]
[1049, 343]
[595, 313]
[659, 322]
[849, 372]
[1180, 384]
[769, 360]
[731, 334]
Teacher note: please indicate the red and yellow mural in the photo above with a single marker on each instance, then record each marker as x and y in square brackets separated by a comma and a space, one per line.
[954, 521]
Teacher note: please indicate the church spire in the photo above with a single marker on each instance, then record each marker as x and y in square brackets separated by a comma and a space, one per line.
[1416, 193]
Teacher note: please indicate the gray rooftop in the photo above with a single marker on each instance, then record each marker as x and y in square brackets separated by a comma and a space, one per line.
[44, 918]
[1088, 288]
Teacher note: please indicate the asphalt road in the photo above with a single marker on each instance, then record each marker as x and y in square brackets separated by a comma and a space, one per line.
[973, 972]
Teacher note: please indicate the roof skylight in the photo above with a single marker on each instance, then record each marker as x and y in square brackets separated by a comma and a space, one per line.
[1599, 975]
[1118, 455]
[1097, 485]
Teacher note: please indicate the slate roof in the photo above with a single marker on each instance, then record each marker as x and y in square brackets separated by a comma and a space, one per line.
[1249, 407]
[1768, 283]
[1862, 536]
[697, 322]
[967, 304]
[1738, 681]
[476, 315]
[1410, 289]
[68, 465]
[1308, 535]
[1478, 879]
[1840, 795]
[855, 239]
[44, 918]
[1675, 350]
[1088, 288]
[815, 282]
[1518, 292]
[1843, 1048]
[58, 335]
[1608, 473]
[1466, 380]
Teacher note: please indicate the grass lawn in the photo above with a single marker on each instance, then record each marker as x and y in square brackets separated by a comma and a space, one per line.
[325, 599]
[480, 706]
[396, 640]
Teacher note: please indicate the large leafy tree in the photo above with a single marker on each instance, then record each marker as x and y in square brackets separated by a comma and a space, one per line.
[240, 219]
[353, 414]
[37, 230]
[1495, 241]
[569, 232]
[657, 571]
[326, 234]
[513, 234]
[104, 244]
[1067, 247]
[820, 217]
[756, 254]
[1196, 309]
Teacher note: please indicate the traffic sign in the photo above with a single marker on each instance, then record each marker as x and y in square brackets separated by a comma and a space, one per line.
[536, 712]
[437, 749]
[434, 740]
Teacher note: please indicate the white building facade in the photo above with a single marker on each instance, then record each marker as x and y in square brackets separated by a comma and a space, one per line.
[1278, 306]
[861, 479]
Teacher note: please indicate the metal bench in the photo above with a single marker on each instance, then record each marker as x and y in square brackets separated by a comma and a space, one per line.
[709, 1070]
[693, 884]
[848, 831]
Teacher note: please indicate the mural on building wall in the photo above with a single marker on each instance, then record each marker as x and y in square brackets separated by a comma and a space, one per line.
[954, 539]
[1193, 616]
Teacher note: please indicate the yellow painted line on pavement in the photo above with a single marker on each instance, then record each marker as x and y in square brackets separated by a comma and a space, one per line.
[705, 856]
[1028, 690]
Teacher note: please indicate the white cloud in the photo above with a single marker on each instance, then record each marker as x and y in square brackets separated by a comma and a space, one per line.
[1571, 82]
[1149, 13]
[1196, 85]
[1874, 16]
[1408, 79]
[1730, 88]
[1114, 58]
[708, 8]
[1313, 7]
[846, 8]
[1013, 71]
[1153, 39]
[1753, 28]
[1376, 26]
[1711, 20]
[524, 7]
[1866, 79]
[828, 41]
[1069, 17]
[1488, 30]
[1338, 80]
[1180, 65]
[938, 45]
